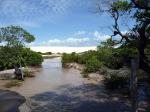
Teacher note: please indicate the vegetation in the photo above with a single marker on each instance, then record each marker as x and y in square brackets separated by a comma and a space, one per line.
[13, 51]
[46, 53]
[30, 57]
[109, 61]
[13, 83]
[137, 36]
[93, 64]
[27, 73]
[9, 57]
[117, 78]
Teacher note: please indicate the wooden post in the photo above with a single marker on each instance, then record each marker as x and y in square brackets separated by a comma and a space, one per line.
[133, 85]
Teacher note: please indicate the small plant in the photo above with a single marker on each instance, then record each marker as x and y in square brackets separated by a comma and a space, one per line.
[27, 73]
[13, 83]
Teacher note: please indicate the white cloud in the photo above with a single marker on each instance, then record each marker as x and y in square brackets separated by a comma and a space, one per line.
[100, 37]
[77, 40]
[54, 41]
[86, 39]
[72, 41]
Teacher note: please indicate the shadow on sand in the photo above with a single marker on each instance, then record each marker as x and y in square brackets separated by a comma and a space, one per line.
[84, 98]
[10, 101]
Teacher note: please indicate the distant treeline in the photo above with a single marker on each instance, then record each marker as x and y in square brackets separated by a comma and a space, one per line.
[46, 53]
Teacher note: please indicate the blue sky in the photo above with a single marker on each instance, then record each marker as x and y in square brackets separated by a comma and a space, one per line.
[57, 22]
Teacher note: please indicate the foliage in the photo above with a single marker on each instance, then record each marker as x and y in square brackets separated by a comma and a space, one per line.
[93, 65]
[116, 78]
[89, 58]
[30, 57]
[110, 57]
[47, 53]
[138, 35]
[69, 58]
[83, 57]
[9, 57]
[13, 52]
[15, 36]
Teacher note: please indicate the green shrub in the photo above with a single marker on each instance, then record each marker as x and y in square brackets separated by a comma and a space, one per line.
[46, 53]
[83, 57]
[69, 58]
[31, 58]
[110, 57]
[10, 56]
[117, 78]
[93, 65]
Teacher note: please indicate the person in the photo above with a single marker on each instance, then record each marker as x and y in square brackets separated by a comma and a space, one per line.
[18, 72]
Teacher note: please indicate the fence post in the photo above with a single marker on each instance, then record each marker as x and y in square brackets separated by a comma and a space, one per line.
[133, 84]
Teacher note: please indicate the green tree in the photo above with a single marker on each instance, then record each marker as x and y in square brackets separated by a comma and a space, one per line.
[14, 38]
[138, 36]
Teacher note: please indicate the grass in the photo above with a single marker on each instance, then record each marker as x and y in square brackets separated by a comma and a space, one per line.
[27, 73]
[13, 83]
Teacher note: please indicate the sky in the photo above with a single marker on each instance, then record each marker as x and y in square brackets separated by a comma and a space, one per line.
[71, 23]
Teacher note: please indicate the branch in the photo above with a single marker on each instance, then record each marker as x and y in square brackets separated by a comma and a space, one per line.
[117, 31]
[140, 6]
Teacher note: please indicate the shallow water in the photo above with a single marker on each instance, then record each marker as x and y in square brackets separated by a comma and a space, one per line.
[49, 77]
[55, 89]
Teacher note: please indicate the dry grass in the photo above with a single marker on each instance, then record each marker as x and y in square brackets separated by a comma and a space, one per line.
[13, 83]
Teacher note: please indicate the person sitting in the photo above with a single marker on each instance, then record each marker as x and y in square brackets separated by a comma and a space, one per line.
[18, 72]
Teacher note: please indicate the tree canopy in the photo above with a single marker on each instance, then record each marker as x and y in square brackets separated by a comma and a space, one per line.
[139, 35]
[14, 36]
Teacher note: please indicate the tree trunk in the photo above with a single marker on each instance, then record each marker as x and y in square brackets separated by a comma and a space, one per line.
[133, 85]
[142, 59]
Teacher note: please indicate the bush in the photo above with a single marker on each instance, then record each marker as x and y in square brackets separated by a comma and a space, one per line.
[31, 58]
[69, 58]
[110, 57]
[93, 65]
[46, 53]
[83, 57]
[117, 78]
[10, 56]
